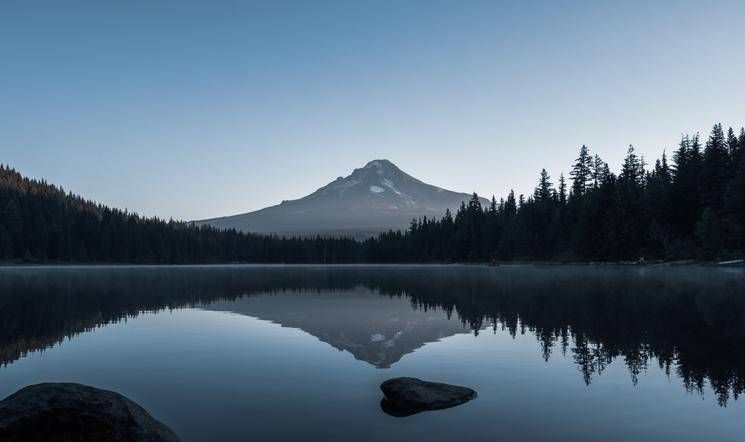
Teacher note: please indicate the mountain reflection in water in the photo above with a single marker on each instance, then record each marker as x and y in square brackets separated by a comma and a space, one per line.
[373, 329]
[689, 321]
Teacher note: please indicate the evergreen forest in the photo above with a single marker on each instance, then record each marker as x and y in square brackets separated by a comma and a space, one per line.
[689, 204]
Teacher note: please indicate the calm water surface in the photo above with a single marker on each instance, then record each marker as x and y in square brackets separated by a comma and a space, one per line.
[297, 353]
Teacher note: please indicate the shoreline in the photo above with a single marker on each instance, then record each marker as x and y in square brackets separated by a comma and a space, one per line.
[736, 263]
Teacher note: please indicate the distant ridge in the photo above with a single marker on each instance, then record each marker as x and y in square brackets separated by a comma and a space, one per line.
[373, 198]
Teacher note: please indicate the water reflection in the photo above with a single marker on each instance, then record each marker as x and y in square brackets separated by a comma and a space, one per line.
[688, 321]
[373, 329]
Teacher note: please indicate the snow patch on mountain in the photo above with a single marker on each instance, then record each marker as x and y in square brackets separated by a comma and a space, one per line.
[373, 198]
[389, 184]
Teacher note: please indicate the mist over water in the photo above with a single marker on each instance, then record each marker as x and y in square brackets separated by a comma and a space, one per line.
[234, 352]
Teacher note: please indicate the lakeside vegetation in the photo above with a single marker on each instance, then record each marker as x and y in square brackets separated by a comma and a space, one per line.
[689, 205]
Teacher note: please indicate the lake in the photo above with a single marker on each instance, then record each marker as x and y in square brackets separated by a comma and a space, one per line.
[556, 353]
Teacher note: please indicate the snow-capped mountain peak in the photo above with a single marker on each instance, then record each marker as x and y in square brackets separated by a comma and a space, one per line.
[376, 197]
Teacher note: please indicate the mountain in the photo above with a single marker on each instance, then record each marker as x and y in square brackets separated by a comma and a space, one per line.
[374, 198]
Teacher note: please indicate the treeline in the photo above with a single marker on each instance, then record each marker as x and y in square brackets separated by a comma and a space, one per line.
[691, 205]
[39, 222]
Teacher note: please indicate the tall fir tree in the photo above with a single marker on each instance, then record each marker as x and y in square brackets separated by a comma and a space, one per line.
[716, 170]
[581, 172]
[562, 190]
[543, 192]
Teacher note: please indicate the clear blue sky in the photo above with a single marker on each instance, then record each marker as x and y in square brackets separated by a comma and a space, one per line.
[198, 109]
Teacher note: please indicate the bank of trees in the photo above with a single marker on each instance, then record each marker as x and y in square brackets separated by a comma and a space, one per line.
[690, 205]
[687, 205]
[39, 222]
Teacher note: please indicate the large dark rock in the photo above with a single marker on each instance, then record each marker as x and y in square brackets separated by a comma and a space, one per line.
[406, 396]
[74, 412]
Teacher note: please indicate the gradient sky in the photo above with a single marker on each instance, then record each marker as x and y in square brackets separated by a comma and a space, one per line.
[199, 109]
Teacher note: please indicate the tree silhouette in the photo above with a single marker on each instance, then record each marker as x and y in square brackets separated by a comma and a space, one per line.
[692, 207]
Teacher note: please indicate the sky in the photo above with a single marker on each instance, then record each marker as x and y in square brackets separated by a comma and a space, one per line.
[196, 109]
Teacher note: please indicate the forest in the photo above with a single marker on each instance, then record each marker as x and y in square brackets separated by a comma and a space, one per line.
[687, 205]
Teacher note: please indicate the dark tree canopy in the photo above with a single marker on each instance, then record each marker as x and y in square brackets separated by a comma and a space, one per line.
[692, 207]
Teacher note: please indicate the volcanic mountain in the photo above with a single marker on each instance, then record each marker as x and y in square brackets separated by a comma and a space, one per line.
[374, 198]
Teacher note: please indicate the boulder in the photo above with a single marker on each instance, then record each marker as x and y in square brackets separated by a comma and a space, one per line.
[406, 396]
[75, 412]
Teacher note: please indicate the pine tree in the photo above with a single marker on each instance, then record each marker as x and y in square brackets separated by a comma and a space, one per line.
[630, 232]
[510, 206]
[543, 192]
[581, 172]
[716, 171]
[686, 194]
[656, 203]
[562, 190]
[736, 147]
[632, 171]
[474, 206]
[448, 218]
[600, 171]
[733, 146]
[662, 169]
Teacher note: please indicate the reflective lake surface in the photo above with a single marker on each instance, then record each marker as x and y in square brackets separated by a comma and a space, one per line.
[557, 353]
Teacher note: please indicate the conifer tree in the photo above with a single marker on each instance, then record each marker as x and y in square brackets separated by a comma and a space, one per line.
[686, 198]
[543, 192]
[632, 171]
[510, 206]
[562, 190]
[716, 171]
[600, 171]
[581, 172]
[733, 145]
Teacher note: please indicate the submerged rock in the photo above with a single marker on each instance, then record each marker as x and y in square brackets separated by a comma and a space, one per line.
[406, 396]
[75, 412]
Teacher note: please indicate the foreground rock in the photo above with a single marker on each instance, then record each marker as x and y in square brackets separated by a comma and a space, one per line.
[406, 396]
[74, 412]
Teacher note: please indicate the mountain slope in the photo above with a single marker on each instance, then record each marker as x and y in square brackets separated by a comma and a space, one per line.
[374, 198]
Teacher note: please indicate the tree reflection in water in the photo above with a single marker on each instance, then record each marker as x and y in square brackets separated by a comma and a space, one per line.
[690, 321]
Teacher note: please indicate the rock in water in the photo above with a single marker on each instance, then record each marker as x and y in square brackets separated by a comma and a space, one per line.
[74, 412]
[405, 396]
